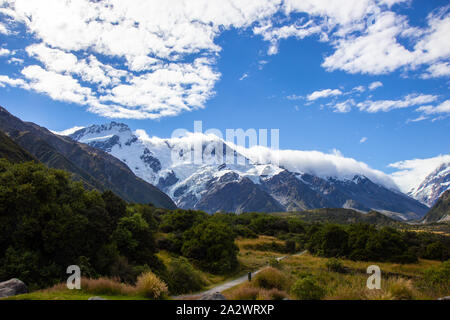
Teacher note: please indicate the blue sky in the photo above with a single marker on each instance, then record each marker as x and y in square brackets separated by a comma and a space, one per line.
[304, 67]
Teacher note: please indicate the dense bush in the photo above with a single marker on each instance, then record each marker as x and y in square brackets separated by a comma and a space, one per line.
[171, 242]
[48, 222]
[181, 220]
[334, 265]
[436, 251]
[212, 246]
[307, 288]
[290, 246]
[361, 242]
[438, 277]
[269, 225]
[135, 239]
[267, 246]
[183, 278]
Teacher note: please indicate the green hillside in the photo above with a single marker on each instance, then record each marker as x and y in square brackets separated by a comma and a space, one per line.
[12, 151]
[441, 210]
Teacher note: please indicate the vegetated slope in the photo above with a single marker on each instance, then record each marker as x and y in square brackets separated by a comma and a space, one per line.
[440, 211]
[96, 168]
[344, 216]
[12, 151]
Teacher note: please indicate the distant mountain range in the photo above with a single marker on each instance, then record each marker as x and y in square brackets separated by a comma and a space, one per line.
[262, 187]
[94, 167]
[433, 186]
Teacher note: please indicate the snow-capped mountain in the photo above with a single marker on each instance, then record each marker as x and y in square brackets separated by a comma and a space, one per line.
[433, 186]
[236, 183]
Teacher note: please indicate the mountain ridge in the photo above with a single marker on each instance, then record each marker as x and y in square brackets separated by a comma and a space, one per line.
[440, 212]
[433, 186]
[95, 168]
[212, 186]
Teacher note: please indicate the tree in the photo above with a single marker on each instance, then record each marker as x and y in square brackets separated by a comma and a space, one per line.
[135, 239]
[435, 251]
[212, 245]
[181, 220]
[333, 241]
[115, 206]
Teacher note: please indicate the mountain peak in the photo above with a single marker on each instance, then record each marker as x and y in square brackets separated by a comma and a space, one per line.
[101, 131]
[112, 126]
[433, 186]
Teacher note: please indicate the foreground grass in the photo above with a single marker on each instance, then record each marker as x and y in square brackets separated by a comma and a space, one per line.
[250, 259]
[66, 294]
[106, 288]
[60, 292]
[399, 282]
[208, 278]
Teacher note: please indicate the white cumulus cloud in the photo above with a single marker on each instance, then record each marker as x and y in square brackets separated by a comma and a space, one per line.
[375, 85]
[444, 107]
[388, 105]
[323, 94]
[317, 163]
[151, 59]
[4, 52]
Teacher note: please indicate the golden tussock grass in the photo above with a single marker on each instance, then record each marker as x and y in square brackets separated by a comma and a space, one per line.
[249, 291]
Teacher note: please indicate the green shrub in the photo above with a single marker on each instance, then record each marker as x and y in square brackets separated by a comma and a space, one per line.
[335, 265]
[211, 245]
[181, 220]
[306, 288]
[438, 277]
[170, 242]
[274, 263]
[435, 251]
[267, 246]
[290, 246]
[183, 278]
[245, 232]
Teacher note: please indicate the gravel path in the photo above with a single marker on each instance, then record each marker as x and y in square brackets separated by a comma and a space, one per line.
[228, 284]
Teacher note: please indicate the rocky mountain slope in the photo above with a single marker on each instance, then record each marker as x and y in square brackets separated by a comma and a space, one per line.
[94, 167]
[433, 186]
[229, 185]
[440, 212]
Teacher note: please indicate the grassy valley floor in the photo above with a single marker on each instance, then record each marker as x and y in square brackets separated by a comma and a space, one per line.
[278, 279]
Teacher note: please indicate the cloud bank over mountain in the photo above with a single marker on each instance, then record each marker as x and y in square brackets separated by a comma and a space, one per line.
[412, 172]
